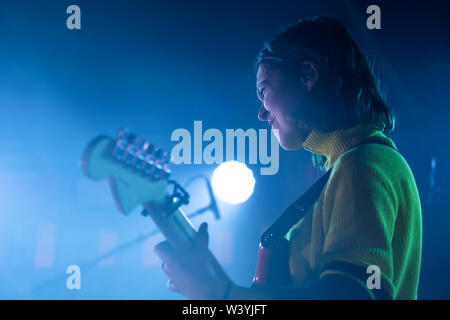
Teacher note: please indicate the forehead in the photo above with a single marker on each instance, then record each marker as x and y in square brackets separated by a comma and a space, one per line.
[265, 72]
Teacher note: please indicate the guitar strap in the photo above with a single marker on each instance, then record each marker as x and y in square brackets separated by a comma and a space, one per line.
[273, 238]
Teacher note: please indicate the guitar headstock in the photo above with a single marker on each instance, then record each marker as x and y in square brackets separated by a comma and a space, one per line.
[137, 170]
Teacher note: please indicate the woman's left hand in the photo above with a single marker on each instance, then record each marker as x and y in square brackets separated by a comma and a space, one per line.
[190, 270]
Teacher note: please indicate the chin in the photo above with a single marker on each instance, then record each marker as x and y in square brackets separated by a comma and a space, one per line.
[292, 139]
[290, 144]
[290, 147]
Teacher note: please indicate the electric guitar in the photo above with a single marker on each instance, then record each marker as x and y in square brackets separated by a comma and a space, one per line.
[138, 174]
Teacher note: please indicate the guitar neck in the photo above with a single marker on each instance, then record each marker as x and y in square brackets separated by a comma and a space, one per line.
[175, 227]
[179, 232]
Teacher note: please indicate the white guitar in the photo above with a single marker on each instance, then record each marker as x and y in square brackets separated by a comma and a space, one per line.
[138, 174]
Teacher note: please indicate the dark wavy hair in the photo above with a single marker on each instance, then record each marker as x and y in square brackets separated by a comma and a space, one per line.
[347, 89]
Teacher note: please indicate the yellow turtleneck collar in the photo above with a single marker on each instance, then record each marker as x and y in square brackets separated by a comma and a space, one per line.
[335, 143]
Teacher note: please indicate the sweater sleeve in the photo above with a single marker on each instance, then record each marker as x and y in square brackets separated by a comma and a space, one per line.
[358, 217]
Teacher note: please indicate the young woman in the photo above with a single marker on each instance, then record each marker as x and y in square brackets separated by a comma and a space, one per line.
[318, 93]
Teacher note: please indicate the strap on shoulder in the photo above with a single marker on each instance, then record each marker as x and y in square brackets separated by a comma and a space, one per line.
[359, 273]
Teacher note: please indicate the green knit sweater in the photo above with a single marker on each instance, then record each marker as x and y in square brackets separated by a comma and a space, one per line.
[369, 213]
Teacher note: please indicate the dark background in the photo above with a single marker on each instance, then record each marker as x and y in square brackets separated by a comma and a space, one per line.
[155, 66]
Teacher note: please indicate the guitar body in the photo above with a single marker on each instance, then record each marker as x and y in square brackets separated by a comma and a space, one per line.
[273, 266]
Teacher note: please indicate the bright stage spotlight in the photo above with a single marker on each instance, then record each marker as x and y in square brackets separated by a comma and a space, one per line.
[233, 182]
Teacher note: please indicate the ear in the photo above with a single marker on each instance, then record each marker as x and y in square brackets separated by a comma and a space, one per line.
[309, 74]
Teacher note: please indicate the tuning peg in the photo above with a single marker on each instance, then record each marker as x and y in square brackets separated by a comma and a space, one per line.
[148, 148]
[138, 160]
[141, 155]
[128, 155]
[139, 142]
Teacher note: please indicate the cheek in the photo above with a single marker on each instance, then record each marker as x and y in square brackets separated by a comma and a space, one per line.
[288, 128]
[283, 102]
[276, 106]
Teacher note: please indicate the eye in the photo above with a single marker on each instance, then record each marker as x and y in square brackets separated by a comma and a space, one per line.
[261, 92]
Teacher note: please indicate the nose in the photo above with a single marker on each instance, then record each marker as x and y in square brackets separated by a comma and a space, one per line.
[263, 113]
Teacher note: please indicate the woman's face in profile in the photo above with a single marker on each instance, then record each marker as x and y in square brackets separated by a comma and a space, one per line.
[282, 99]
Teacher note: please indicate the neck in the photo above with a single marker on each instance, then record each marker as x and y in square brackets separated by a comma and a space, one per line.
[333, 144]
